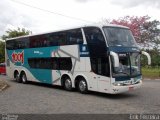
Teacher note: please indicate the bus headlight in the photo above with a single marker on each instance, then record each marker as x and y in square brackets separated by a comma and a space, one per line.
[117, 84]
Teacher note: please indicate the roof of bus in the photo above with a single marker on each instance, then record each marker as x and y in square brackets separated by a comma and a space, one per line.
[91, 25]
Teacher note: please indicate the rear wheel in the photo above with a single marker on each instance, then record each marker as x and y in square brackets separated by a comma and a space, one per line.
[82, 86]
[17, 78]
[24, 78]
[68, 84]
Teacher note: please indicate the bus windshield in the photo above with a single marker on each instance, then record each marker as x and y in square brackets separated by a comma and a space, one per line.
[129, 65]
[119, 37]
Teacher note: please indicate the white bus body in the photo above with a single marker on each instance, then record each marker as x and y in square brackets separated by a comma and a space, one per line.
[102, 58]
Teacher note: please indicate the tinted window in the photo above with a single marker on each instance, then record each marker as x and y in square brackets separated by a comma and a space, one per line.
[95, 41]
[68, 37]
[119, 37]
[58, 38]
[97, 50]
[38, 41]
[100, 66]
[74, 36]
[20, 43]
[10, 44]
[63, 63]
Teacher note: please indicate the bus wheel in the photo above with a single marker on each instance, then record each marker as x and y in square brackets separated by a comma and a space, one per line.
[24, 78]
[68, 84]
[82, 86]
[17, 78]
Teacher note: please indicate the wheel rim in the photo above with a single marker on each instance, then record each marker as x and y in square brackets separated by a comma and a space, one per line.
[17, 77]
[24, 78]
[82, 85]
[68, 84]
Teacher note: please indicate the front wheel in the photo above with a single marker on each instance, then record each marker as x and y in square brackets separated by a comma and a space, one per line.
[82, 86]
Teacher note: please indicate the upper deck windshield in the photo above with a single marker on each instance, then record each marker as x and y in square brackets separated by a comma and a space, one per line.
[117, 36]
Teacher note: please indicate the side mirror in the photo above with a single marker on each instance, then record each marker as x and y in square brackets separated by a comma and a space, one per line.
[115, 58]
[148, 56]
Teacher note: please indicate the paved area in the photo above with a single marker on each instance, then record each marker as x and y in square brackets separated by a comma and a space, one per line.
[41, 98]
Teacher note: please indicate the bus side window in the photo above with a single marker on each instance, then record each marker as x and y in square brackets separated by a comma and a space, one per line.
[54, 63]
[58, 38]
[10, 44]
[74, 37]
[62, 38]
[100, 66]
[95, 42]
[65, 63]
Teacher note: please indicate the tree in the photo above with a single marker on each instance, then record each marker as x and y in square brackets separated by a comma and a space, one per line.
[2, 52]
[150, 35]
[16, 33]
[11, 34]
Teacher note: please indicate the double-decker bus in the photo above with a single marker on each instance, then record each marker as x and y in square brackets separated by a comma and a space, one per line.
[102, 58]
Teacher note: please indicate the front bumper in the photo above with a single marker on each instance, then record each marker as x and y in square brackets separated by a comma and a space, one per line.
[121, 89]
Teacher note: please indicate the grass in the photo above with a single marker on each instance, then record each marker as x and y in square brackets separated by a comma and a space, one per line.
[153, 73]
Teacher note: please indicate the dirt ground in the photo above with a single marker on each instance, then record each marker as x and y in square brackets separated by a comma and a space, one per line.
[3, 85]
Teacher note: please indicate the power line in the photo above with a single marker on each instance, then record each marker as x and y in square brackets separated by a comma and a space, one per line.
[56, 13]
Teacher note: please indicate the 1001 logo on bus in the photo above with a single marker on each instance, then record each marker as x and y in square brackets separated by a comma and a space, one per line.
[18, 57]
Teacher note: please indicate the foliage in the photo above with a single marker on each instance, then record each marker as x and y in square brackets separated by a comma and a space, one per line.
[134, 23]
[155, 58]
[150, 35]
[16, 33]
[2, 52]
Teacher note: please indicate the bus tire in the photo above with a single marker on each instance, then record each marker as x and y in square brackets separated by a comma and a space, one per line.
[17, 77]
[24, 78]
[67, 84]
[82, 86]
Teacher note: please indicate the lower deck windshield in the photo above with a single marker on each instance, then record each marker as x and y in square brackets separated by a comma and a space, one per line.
[129, 65]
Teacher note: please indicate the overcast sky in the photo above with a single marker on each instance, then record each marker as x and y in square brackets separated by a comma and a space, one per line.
[68, 13]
